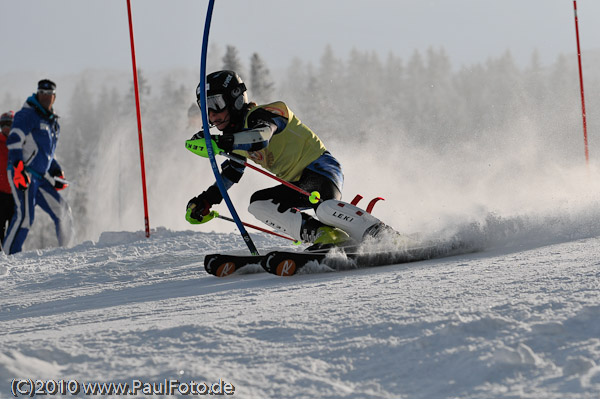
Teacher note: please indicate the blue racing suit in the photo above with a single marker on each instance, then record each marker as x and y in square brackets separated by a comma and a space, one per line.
[33, 139]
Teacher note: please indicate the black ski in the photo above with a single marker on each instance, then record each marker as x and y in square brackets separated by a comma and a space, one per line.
[287, 263]
[222, 265]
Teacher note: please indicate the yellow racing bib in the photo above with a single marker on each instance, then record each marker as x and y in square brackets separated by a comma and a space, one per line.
[289, 151]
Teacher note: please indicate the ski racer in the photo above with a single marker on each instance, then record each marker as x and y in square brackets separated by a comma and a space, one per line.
[34, 174]
[272, 136]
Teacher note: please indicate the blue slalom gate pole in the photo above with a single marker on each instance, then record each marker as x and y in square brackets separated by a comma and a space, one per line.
[208, 138]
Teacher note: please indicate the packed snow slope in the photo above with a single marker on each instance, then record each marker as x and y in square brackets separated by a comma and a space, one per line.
[518, 319]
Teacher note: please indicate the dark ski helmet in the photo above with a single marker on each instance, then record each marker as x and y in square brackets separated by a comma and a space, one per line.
[7, 118]
[225, 89]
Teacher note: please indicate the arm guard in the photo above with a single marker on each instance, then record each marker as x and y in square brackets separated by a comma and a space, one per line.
[254, 139]
[231, 172]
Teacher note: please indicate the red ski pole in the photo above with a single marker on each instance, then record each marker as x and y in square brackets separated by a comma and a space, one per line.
[139, 122]
[198, 147]
[260, 229]
[214, 214]
[313, 197]
[585, 137]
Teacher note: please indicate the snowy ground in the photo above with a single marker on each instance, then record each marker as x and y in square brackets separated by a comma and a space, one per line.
[518, 320]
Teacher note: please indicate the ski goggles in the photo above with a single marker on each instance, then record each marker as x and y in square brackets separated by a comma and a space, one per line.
[46, 91]
[215, 102]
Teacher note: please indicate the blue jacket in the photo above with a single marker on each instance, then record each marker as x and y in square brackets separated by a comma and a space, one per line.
[33, 138]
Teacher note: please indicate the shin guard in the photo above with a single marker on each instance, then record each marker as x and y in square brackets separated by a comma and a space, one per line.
[356, 222]
[288, 221]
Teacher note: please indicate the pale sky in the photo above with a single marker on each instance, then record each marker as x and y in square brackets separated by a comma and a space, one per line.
[64, 36]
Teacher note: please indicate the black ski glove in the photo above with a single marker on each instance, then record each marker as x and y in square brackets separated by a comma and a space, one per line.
[197, 208]
[198, 135]
[225, 142]
[200, 205]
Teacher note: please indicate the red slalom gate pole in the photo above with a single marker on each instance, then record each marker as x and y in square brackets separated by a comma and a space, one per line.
[139, 121]
[585, 137]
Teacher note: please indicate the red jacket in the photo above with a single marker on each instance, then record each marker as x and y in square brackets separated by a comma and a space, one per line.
[4, 186]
